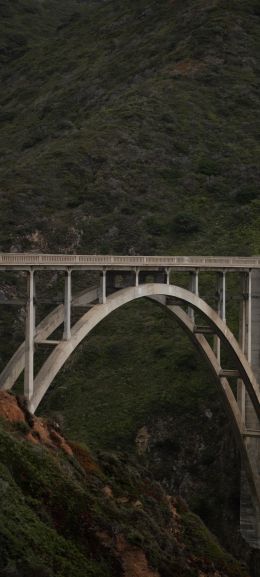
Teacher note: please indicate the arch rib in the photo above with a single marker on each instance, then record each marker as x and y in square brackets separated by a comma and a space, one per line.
[228, 397]
[90, 319]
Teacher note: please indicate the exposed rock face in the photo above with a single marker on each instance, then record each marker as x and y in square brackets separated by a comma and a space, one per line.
[134, 560]
[142, 440]
[197, 458]
[36, 430]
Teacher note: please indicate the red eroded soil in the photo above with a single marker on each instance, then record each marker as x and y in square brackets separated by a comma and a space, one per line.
[9, 408]
[39, 430]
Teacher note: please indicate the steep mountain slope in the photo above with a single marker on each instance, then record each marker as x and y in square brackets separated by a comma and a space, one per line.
[131, 126]
[64, 512]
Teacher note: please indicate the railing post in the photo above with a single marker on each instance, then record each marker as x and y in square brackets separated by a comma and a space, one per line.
[29, 337]
[67, 306]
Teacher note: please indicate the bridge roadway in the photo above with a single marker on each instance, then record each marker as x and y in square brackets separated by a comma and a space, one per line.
[99, 262]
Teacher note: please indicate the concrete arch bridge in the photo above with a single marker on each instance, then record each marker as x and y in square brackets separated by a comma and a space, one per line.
[125, 279]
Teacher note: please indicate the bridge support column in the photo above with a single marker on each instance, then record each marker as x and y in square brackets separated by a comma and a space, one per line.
[29, 337]
[168, 271]
[250, 344]
[67, 307]
[103, 288]
[194, 287]
[249, 315]
[245, 333]
[244, 341]
[137, 277]
[221, 294]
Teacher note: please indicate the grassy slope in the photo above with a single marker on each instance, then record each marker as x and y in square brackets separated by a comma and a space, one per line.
[57, 517]
[134, 126]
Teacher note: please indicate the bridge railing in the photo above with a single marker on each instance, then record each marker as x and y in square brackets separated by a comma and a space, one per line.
[30, 259]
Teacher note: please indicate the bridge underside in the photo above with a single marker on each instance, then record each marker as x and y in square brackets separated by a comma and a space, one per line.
[243, 411]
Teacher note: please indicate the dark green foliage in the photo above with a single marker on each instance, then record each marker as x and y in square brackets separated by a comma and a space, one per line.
[114, 114]
[22, 427]
[208, 546]
[185, 224]
[53, 513]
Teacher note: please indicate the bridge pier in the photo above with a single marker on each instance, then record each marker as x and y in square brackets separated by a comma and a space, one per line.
[67, 307]
[221, 307]
[103, 288]
[194, 288]
[168, 273]
[29, 336]
[250, 333]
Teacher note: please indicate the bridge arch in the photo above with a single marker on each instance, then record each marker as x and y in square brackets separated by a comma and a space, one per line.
[152, 291]
[95, 315]
[155, 291]
[244, 414]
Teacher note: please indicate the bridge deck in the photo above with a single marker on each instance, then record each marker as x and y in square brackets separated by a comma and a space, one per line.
[16, 261]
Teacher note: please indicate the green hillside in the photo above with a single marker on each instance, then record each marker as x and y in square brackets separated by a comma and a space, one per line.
[68, 513]
[130, 125]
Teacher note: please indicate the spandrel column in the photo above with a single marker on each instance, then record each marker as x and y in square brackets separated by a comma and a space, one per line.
[243, 341]
[103, 288]
[67, 307]
[221, 296]
[29, 337]
[194, 288]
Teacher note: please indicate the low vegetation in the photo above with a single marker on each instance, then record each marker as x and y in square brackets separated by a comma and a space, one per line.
[65, 512]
